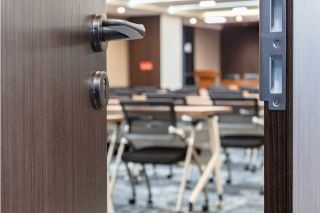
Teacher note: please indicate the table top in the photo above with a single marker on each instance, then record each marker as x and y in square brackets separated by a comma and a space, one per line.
[116, 118]
[193, 111]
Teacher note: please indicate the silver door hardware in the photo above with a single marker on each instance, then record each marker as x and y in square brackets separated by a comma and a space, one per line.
[104, 30]
[99, 90]
[273, 52]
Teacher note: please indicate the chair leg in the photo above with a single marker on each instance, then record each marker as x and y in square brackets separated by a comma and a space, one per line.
[254, 163]
[184, 178]
[132, 200]
[148, 185]
[228, 163]
[248, 159]
[196, 159]
[170, 175]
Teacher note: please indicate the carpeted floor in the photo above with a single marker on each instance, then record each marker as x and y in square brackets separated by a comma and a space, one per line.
[242, 196]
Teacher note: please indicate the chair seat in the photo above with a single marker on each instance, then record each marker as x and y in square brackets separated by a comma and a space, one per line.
[241, 141]
[155, 155]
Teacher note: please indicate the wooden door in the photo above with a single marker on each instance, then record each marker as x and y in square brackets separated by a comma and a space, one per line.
[279, 139]
[53, 151]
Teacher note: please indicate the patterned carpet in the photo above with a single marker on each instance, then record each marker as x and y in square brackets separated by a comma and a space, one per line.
[242, 196]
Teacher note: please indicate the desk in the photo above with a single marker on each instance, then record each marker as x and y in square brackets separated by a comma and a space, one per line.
[208, 113]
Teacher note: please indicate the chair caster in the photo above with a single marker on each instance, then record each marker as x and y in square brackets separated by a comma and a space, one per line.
[211, 180]
[205, 208]
[170, 176]
[228, 181]
[247, 168]
[132, 201]
[190, 207]
[150, 203]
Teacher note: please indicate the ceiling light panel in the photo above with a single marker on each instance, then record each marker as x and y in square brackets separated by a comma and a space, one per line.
[231, 13]
[207, 4]
[134, 2]
[215, 20]
[218, 5]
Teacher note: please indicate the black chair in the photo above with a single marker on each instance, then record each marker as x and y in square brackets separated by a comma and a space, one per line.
[149, 123]
[253, 90]
[224, 97]
[187, 90]
[232, 76]
[178, 99]
[145, 89]
[251, 76]
[237, 138]
[121, 93]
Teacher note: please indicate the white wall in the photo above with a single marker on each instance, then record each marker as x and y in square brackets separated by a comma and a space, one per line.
[171, 52]
[118, 63]
[306, 110]
[207, 49]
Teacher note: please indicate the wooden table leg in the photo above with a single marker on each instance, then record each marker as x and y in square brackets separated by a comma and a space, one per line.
[213, 166]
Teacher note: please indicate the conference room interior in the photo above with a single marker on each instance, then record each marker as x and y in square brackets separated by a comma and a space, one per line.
[185, 126]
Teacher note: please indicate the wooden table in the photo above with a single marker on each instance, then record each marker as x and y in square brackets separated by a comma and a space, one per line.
[193, 111]
[209, 113]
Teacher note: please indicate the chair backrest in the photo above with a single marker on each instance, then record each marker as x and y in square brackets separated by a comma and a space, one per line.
[151, 117]
[254, 90]
[251, 76]
[121, 93]
[223, 90]
[187, 90]
[178, 99]
[232, 76]
[235, 99]
[145, 89]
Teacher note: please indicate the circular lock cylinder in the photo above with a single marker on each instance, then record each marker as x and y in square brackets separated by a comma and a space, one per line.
[99, 90]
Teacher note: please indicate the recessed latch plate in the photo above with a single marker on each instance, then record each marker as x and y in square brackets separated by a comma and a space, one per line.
[273, 53]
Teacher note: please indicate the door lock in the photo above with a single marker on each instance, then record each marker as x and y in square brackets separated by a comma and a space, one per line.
[273, 53]
[99, 90]
[104, 30]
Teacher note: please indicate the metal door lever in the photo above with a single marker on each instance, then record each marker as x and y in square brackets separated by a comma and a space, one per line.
[104, 30]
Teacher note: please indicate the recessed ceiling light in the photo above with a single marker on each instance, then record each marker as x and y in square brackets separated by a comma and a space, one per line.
[193, 21]
[240, 9]
[207, 3]
[121, 10]
[215, 20]
[171, 10]
[239, 18]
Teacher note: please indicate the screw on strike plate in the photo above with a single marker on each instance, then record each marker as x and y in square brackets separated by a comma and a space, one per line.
[276, 102]
[276, 44]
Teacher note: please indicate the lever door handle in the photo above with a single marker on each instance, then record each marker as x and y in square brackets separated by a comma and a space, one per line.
[104, 30]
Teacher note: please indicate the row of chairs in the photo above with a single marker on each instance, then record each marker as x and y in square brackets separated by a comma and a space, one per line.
[148, 127]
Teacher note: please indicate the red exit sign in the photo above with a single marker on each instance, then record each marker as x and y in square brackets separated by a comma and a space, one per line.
[146, 66]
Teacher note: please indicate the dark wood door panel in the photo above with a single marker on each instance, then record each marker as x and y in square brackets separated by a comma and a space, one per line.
[53, 141]
[279, 141]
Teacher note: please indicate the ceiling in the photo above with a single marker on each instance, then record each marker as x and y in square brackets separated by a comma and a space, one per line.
[194, 12]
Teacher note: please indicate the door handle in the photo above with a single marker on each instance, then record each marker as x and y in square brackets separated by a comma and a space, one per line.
[99, 90]
[104, 30]
[273, 52]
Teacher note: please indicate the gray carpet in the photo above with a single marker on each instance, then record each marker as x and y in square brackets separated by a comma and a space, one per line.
[242, 196]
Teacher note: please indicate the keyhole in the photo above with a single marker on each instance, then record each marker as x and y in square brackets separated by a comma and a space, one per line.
[105, 88]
